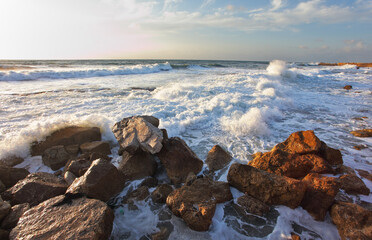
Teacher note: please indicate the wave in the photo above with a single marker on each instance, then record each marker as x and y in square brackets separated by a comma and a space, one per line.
[81, 73]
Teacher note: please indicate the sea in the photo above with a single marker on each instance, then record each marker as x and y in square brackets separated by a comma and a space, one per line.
[244, 106]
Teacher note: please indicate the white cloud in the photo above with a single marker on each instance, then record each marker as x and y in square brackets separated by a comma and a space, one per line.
[276, 4]
[353, 45]
[207, 3]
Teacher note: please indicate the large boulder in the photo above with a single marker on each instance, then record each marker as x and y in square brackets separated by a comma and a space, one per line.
[101, 181]
[55, 157]
[196, 203]
[301, 142]
[136, 133]
[15, 213]
[267, 187]
[179, 160]
[67, 136]
[97, 147]
[353, 185]
[63, 218]
[320, 194]
[138, 165]
[35, 188]
[353, 221]
[217, 158]
[10, 175]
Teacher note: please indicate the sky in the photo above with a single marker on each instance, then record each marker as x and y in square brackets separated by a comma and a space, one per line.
[304, 30]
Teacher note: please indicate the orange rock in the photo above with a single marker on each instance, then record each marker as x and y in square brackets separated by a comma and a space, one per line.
[353, 185]
[301, 142]
[362, 133]
[217, 158]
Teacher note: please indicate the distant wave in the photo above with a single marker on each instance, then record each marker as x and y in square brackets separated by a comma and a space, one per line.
[81, 73]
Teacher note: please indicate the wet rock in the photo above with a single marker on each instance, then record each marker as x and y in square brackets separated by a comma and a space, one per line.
[346, 170]
[360, 147]
[352, 221]
[138, 165]
[362, 133]
[161, 193]
[96, 146]
[267, 187]
[294, 236]
[353, 185]
[15, 213]
[163, 234]
[196, 203]
[365, 174]
[10, 175]
[217, 158]
[320, 194]
[57, 219]
[4, 209]
[139, 194]
[191, 177]
[35, 188]
[252, 205]
[138, 133]
[149, 182]
[11, 161]
[56, 157]
[94, 183]
[67, 136]
[179, 160]
[348, 87]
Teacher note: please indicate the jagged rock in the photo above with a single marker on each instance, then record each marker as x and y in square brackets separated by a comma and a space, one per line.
[320, 194]
[138, 165]
[4, 209]
[365, 174]
[301, 142]
[35, 188]
[94, 183]
[267, 187]
[149, 182]
[15, 213]
[81, 164]
[96, 146]
[139, 194]
[61, 218]
[353, 222]
[10, 175]
[67, 136]
[253, 205]
[362, 133]
[331, 155]
[11, 161]
[138, 133]
[179, 160]
[353, 185]
[69, 177]
[217, 158]
[196, 203]
[161, 193]
[56, 157]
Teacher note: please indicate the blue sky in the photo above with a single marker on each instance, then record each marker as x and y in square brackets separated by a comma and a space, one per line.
[308, 30]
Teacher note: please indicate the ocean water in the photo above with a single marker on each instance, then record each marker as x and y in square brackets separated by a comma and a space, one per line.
[243, 106]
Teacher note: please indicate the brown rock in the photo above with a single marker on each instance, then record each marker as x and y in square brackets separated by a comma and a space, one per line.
[191, 177]
[139, 194]
[54, 219]
[331, 155]
[365, 174]
[353, 185]
[294, 236]
[73, 150]
[320, 194]
[163, 234]
[4, 234]
[15, 213]
[217, 158]
[4, 209]
[362, 133]
[267, 187]
[135, 133]
[11, 161]
[10, 175]
[67, 136]
[35, 188]
[2, 187]
[252, 205]
[360, 147]
[139, 165]
[161, 193]
[196, 203]
[302, 142]
[94, 183]
[56, 157]
[96, 146]
[179, 160]
[149, 182]
[348, 87]
[352, 221]
[78, 167]
[69, 177]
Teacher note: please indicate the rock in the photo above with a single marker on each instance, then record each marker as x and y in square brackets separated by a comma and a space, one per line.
[73, 150]
[191, 177]
[69, 177]
[139, 165]
[11, 161]
[331, 155]
[179, 160]
[252, 205]
[58, 218]
[365, 174]
[362, 133]
[137, 133]
[301, 142]
[163, 234]
[267, 187]
[353, 185]
[348, 87]
[196, 203]
[360, 147]
[346, 170]
[96, 146]
[139, 194]
[94, 183]
[4, 209]
[149, 182]
[294, 236]
[2, 187]
[352, 221]
[15, 213]
[56, 157]
[161, 193]
[35, 188]
[320, 194]
[4, 234]
[217, 158]
[67, 136]
[77, 167]
[10, 175]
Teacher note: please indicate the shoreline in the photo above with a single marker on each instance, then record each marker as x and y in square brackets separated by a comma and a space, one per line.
[358, 64]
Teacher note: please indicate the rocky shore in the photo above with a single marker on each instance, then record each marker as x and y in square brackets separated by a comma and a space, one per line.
[78, 200]
[350, 63]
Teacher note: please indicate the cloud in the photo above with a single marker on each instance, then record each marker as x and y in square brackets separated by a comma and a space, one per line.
[276, 4]
[353, 45]
[207, 3]
[303, 47]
